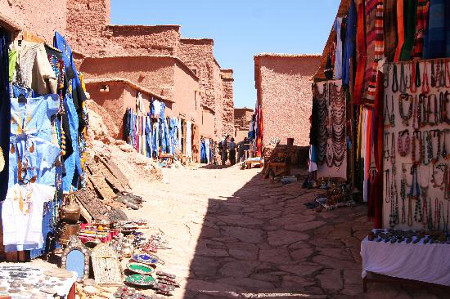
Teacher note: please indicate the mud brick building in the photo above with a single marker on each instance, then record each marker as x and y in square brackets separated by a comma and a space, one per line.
[283, 85]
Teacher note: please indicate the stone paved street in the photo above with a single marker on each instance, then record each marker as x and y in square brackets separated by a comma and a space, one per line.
[236, 235]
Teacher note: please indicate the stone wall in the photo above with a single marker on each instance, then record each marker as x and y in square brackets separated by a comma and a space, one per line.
[198, 55]
[283, 84]
[243, 117]
[41, 18]
[228, 102]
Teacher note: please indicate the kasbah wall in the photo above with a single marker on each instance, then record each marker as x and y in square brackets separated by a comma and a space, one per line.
[283, 84]
[94, 36]
[42, 18]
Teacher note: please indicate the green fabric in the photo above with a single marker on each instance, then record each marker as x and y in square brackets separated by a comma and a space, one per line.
[12, 55]
[410, 17]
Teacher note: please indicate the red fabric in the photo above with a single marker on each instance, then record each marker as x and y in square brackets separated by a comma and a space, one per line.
[375, 202]
[361, 55]
[400, 30]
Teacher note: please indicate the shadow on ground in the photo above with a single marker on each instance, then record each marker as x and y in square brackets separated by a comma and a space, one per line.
[264, 243]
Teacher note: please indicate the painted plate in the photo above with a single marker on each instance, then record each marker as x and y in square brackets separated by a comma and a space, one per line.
[140, 268]
[140, 280]
[148, 259]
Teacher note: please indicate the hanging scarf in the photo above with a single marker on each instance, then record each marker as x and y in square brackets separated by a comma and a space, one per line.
[421, 25]
[390, 28]
[375, 204]
[361, 55]
[435, 39]
[350, 39]
[400, 30]
[375, 45]
[410, 15]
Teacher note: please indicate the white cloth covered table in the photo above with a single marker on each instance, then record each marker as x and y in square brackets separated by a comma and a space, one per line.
[422, 262]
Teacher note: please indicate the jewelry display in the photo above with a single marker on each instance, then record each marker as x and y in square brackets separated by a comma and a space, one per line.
[418, 127]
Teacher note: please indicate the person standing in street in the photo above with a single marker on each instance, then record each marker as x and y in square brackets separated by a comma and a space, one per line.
[232, 148]
[224, 150]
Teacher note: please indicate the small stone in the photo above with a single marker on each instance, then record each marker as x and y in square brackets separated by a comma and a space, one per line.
[243, 251]
[248, 235]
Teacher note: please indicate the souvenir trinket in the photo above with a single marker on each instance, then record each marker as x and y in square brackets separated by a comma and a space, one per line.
[140, 268]
[140, 280]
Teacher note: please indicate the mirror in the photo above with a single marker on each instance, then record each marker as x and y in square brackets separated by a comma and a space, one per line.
[76, 258]
[75, 262]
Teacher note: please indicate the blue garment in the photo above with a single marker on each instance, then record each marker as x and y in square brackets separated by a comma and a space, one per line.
[72, 163]
[203, 157]
[148, 134]
[31, 140]
[5, 111]
[155, 140]
[73, 103]
[338, 52]
[349, 43]
[435, 38]
[173, 134]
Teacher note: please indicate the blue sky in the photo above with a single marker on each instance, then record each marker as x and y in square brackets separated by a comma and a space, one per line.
[240, 29]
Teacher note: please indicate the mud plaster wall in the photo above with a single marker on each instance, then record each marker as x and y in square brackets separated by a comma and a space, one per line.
[116, 101]
[286, 97]
[154, 73]
[242, 117]
[41, 18]
[187, 100]
[207, 127]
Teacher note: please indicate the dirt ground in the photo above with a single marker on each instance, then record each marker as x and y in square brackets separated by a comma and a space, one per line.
[235, 235]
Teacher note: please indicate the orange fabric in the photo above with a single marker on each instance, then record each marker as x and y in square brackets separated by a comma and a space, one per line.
[400, 30]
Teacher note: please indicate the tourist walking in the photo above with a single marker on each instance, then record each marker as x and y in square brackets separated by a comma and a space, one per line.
[232, 148]
[225, 150]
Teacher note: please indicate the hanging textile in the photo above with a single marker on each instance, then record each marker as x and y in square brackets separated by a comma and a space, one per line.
[74, 104]
[421, 25]
[350, 39]
[374, 45]
[338, 49]
[410, 15]
[22, 214]
[400, 29]
[390, 28]
[5, 112]
[435, 38]
[189, 139]
[32, 151]
[33, 69]
[361, 55]
[375, 200]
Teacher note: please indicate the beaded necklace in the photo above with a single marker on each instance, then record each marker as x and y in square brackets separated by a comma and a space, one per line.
[394, 79]
[440, 75]
[403, 145]
[403, 193]
[393, 149]
[433, 75]
[417, 135]
[386, 153]
[444, 146]
[414, 194]
[413, 83]
[425, 83]
[403, 79]
[435, 112]
[430, 215]
[436, 184]
[427, 148]
[389, 115]
[447, 185]
[447, 75]
[437, 213]
[445, 219]
[436, 158]
[408, 98]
